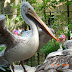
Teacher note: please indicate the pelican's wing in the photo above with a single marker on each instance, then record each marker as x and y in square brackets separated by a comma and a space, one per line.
[3, 40]
[2, 52]
[59, 63]
[3, 61]
[6, 37]
[59, 52]
[2, 25]
[43, 37]
[68, 44]
[67, 52]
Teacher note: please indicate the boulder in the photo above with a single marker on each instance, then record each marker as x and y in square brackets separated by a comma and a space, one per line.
[18, 68]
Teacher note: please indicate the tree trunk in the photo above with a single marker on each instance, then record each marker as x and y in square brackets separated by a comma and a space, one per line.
[15, 10]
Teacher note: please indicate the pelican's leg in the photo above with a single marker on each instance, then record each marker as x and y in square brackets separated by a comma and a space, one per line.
[12, 68]
[21, 63]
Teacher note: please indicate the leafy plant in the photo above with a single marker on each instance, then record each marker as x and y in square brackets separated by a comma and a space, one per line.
[70, 26]
[2, 48]
[51, 46]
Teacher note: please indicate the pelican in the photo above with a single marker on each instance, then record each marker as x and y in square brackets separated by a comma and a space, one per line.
[43, 37]
[60, 63]
[68, 44]
[58, 52]
[22, 48]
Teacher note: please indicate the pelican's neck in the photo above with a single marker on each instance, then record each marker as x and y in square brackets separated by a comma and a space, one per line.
[33, 28]
[31, 24]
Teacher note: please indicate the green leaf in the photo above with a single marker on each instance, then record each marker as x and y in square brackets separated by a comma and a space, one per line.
[68, 3]
[61, 0]
[50, 47]
[70, 26]
[53, 1]
[2, 48]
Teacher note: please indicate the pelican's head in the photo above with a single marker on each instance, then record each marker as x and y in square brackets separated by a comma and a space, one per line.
[26, 8]
[28, 12]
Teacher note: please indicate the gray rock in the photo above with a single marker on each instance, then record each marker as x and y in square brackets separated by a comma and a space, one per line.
[18, 68]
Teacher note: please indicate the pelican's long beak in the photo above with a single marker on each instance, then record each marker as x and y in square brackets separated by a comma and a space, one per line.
[42, 25]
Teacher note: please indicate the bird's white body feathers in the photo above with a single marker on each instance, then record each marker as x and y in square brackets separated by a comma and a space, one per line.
[25, 48]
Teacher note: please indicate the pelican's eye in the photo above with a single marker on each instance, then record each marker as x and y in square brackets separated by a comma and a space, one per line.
[29, 8]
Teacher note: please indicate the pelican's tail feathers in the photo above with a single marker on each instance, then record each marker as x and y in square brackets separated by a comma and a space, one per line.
[3, 62]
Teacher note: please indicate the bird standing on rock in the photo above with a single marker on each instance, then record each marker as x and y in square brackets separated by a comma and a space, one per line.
[22, 48]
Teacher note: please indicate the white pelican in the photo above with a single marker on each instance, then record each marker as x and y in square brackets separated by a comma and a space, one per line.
[68, 44]
[43, 37]
[60, 63]
[58, 52]
[22, 48]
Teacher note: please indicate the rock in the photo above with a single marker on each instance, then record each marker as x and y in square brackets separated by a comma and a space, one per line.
[18, 68]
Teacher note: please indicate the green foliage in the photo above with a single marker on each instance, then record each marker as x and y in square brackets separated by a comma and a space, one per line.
[70, 26]
[32, 1]
[62, 0]
[14, 23]
[51, 46]
[68, 3]
[60, 21]
[2, 48]
[40, 8]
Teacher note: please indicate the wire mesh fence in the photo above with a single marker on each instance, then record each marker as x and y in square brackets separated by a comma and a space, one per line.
[37, 59]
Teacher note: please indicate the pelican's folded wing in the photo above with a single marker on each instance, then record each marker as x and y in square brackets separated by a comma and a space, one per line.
[43, 37]
[61, 63]
[3, 61]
